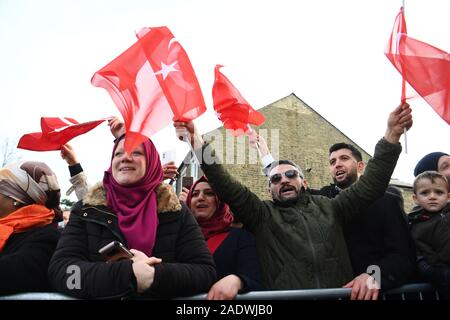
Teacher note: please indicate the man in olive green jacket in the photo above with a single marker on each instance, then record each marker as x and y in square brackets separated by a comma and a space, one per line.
[299, 236]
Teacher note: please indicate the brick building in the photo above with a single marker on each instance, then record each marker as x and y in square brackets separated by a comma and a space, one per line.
[294, 131]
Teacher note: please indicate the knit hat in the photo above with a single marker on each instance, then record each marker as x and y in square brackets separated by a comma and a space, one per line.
[428, 163]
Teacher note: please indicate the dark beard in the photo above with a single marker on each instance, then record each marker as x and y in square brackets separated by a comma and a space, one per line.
[346, 183]
[288, 202]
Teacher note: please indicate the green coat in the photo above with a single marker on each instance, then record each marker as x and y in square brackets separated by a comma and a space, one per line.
[302, 246]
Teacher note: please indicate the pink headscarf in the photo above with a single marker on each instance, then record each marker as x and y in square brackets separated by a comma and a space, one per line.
[135, 205]
[220, 221]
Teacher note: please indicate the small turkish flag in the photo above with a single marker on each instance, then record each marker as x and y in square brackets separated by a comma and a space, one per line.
[232, 109]
[55, 133]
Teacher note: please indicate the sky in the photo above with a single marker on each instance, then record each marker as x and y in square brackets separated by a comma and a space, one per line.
[329, 53]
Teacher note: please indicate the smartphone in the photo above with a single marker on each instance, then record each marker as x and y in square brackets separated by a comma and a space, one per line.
[168, 156]
[187, 182]
[115, 251]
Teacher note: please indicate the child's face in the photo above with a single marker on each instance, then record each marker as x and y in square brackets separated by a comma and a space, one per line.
[432, 196]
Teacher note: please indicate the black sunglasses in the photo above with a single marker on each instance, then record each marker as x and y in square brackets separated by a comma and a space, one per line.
[290, 174]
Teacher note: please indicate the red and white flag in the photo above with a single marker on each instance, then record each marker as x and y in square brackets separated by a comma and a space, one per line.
[55, 133]
[424, 67]
[152, 83]
[231, 108]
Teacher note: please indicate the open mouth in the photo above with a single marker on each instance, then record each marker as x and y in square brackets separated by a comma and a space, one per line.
[287, 189]
[340, 173]
[201, 206]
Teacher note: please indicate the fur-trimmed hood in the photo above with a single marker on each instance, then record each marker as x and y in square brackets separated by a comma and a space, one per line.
[165, 196]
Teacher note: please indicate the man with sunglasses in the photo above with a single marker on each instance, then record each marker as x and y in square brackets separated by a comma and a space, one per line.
[379, 235]
[299, 236]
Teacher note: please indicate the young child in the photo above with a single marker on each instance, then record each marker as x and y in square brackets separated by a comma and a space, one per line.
[430, 228]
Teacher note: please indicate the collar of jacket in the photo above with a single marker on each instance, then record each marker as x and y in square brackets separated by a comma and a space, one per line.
[419, 214]
[165, 196]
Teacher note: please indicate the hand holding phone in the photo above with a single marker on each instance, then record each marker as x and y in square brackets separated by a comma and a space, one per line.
[115, 251]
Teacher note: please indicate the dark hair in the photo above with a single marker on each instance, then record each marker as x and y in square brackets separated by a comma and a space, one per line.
[277, 163]
[430, 175]
[342, 145]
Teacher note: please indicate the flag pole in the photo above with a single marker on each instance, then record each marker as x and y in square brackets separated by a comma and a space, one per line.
[404, 89]
[257, 143]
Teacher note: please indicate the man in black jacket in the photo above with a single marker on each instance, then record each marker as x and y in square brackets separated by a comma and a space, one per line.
[379, 237]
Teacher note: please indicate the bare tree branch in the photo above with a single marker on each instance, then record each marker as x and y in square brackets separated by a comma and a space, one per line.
[8, 152]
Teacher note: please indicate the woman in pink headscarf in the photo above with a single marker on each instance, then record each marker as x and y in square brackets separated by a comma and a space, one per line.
[132, 206]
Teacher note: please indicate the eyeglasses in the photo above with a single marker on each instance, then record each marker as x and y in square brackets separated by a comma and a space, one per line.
[290, 174]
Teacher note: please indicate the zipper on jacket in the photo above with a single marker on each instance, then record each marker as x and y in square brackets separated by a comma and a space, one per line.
[313, 251]
[100, 210]
[118, 236]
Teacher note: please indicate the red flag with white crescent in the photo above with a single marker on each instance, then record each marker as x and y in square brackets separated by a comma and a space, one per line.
[152, 83]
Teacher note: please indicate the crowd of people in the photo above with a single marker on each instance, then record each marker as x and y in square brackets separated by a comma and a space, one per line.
[131, 236]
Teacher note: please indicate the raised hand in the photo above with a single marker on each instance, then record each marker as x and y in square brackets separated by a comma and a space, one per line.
[399, 120]
[183, 194]
[116, 126]
[259, 143]
[187, 132]
[68, 154]
[170, 170]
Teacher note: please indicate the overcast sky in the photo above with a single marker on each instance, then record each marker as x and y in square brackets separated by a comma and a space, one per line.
[329, 53]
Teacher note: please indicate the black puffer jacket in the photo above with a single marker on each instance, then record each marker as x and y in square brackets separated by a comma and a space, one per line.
[24, 260]
[379, 236]
[431, 233]
[187, 266]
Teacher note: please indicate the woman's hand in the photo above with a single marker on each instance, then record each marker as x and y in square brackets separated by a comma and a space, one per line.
[116, 126]
[183, 194]
[170, 171]
[226, 288]
[68, 154]
[143, 269]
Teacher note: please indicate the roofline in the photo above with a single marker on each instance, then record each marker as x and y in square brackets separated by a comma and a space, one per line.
[313, 110]
[304, 103]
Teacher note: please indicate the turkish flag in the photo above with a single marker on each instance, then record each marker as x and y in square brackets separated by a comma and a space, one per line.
[232, 109]
[55, 133]
[152, 83]
[424, 67]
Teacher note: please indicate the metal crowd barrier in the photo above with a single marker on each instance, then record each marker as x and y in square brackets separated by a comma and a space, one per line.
[37, 296]
[416, 291]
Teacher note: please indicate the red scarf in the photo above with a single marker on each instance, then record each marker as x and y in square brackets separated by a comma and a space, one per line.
[215, 241]
[24, 219]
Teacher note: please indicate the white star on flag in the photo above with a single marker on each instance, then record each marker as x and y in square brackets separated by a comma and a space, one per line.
[166, 69]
